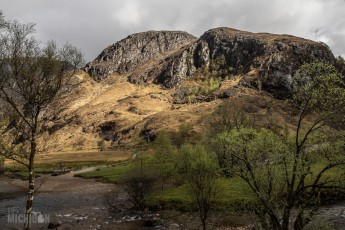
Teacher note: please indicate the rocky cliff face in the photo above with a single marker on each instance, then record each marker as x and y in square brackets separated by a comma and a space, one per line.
[265, 61]
[134, 51]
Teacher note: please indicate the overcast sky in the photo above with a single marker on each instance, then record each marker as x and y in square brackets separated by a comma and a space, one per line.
[93, 25]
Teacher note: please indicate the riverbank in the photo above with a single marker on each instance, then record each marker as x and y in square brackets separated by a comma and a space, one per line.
[78, 203]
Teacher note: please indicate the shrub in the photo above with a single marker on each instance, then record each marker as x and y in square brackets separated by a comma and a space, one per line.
[138, 183]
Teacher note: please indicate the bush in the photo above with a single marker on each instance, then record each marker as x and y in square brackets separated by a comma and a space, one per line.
[188, 92]
[138, 183]
[209, 86]
[138, 186]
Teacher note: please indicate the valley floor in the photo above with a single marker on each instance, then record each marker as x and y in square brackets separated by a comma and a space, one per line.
[81, 204]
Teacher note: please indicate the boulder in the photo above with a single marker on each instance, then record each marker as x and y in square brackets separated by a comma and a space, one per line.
[54, 224]
[153, 222]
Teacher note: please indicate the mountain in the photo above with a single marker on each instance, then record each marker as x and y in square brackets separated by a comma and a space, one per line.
[266, 61]
[161, 79]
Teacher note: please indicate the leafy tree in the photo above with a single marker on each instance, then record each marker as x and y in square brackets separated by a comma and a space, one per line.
[288, 174]
[163, 157]
[229, 115]
[200, 169]
[254, 156]
[31, 80]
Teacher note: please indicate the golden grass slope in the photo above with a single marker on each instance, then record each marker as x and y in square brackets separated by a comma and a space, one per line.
[131, 108]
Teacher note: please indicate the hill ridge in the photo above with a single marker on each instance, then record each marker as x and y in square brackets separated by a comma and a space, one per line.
[266, 61]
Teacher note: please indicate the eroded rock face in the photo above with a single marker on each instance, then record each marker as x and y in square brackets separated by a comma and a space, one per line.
[177, 68]
[135, 50]
[266, 61]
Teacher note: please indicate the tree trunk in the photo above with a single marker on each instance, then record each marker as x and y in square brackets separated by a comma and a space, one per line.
[301, 220]
[203, 221]
[299, 225]
[29, 199]
[273, 222]
[286, 218]
[203, 217]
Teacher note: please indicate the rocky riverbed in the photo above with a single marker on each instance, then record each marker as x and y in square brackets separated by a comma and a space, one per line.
[73, 202]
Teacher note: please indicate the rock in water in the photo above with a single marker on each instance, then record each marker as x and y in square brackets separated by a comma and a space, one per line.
[54, 224]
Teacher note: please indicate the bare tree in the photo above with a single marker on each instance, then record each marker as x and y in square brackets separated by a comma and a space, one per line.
[139, 182]
[31, 80]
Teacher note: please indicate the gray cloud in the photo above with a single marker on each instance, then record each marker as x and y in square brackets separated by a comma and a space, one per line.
[93, 25]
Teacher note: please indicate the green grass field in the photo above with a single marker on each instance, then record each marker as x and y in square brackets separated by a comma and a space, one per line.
[110, 174]
[48, 163]
[235, 194]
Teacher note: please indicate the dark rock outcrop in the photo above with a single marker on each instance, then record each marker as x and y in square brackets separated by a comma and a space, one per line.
[274, 59]
[266, 61]
[134, 51]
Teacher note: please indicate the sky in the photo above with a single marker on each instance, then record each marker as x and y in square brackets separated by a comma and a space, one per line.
[93, 25]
